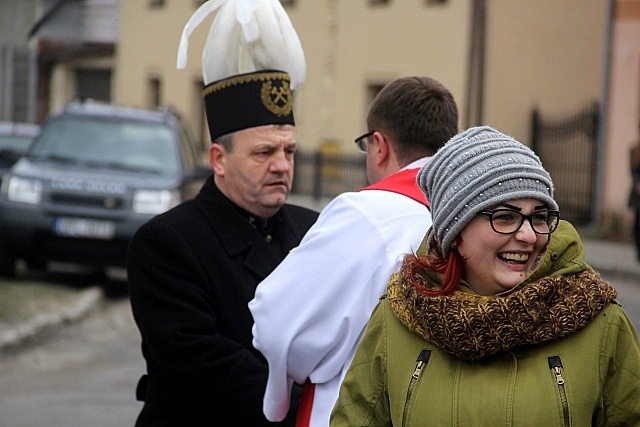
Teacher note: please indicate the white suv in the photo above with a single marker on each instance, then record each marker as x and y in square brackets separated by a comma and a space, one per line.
[94, 174]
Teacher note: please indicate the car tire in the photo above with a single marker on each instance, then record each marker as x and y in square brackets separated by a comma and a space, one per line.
[37, 266]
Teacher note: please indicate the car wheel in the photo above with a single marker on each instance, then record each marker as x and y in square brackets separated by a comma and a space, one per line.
[39, 266]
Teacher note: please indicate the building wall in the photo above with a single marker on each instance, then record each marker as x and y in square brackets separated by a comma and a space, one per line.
[352, 45]
[545, 53]
[348, 45]
[623, 118]
[146, 52]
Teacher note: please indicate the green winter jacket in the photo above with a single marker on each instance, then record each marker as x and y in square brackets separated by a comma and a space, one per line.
[557, 350]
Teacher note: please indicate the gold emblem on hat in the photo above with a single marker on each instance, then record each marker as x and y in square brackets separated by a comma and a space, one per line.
[277, 99]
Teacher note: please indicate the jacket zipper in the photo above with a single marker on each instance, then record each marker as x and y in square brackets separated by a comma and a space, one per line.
[421, 361]
[555, 364]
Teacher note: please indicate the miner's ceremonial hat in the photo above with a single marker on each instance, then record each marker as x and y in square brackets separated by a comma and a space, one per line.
[251, 62]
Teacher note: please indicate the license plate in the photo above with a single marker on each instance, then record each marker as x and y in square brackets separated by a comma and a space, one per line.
[88, 228]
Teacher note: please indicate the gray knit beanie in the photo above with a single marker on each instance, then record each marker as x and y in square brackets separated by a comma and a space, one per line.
[475, 170]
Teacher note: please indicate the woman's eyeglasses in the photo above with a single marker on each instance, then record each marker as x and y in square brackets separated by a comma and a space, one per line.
[361, 141]
[507, 221]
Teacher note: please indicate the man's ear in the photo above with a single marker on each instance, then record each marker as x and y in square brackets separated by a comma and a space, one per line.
[217, 159]
[381, 148]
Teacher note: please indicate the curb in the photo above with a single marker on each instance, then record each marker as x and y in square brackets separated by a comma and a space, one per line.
[21, 332]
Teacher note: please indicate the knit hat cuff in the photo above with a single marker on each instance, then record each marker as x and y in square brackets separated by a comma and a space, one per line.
[493, 194]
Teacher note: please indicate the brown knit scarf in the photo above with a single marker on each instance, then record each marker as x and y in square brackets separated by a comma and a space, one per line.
[472, 327]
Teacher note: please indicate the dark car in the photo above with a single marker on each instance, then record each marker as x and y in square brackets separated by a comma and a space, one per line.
[15, 139]
[90, 179]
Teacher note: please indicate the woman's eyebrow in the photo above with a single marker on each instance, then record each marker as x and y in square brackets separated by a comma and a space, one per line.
[515, 208]
[508, 206]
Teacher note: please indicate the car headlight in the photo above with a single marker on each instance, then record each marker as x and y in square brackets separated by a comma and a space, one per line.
[154, 201]
[23, 190]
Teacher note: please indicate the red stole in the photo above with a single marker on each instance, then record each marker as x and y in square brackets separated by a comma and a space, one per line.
[402, 182]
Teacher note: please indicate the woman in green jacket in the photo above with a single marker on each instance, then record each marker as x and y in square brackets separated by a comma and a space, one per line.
[496, 320]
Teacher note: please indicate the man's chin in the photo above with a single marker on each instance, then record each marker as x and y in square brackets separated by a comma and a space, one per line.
[278, 195]
[275, 200]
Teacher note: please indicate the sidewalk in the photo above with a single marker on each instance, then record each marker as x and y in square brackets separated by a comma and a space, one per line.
[31, 308]
[617, 258]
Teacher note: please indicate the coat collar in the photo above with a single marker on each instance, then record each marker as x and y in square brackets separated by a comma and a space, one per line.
[239, 238]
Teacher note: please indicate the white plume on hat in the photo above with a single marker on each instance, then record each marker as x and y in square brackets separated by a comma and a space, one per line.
[245, 36]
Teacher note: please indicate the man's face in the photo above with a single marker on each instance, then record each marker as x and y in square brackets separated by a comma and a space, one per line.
[257, 173]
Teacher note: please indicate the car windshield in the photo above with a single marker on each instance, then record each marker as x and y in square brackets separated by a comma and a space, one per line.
[122, 144]
[17, 143]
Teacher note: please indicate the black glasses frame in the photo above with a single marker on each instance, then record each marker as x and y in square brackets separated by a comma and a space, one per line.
[553, 218]
[361, 142]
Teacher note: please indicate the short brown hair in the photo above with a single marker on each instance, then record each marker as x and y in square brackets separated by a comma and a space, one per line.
[418, 113]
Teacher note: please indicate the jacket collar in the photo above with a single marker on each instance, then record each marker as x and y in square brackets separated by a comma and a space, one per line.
[562, 296]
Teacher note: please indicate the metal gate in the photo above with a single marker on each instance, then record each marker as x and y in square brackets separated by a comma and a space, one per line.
[17, 84]
[325, 175]
[567, 148]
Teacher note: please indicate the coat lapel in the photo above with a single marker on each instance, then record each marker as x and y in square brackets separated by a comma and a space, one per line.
[240, 240]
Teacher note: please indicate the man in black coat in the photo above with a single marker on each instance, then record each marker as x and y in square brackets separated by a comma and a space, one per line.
[192, 272]
[193, 269]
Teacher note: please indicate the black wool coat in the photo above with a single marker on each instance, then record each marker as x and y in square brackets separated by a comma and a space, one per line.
[192, 271]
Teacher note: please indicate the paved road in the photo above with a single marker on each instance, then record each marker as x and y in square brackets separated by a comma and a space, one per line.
[83, 374]
[628, 295]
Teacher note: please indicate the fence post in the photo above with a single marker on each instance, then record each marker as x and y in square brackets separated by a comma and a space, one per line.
[317, 175]
[534, 129]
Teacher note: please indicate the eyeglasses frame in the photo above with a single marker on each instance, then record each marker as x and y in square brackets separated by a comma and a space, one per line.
[361, 141]
[529, 218]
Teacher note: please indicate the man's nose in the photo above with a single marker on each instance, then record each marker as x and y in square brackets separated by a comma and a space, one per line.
[281, 162]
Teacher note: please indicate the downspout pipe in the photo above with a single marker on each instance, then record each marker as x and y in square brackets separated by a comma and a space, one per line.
[603, 114]
[475, 79]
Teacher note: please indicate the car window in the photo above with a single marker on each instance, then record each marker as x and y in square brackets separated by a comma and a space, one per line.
[126, 144]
